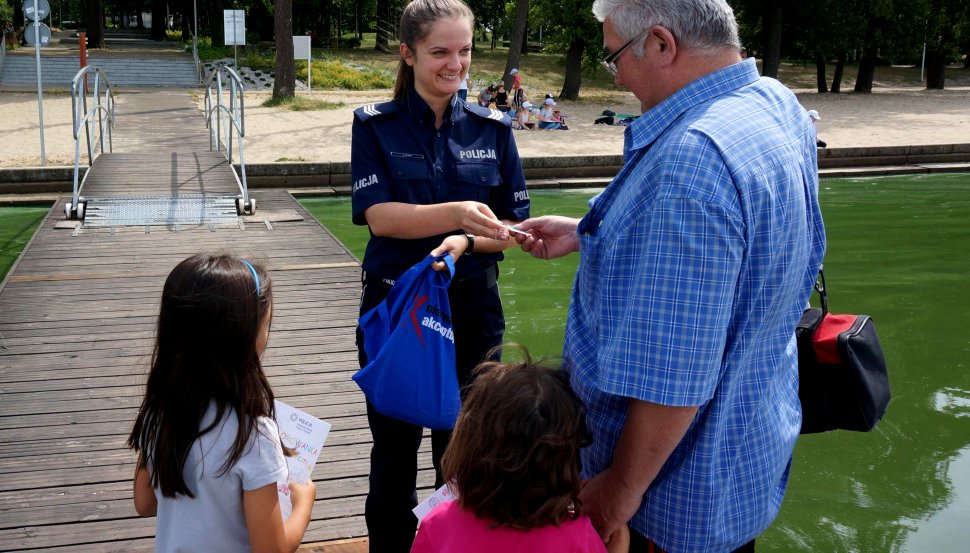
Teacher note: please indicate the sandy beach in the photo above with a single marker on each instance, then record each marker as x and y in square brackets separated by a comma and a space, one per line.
[887, 117]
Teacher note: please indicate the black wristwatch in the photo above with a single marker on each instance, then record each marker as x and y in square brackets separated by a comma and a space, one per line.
[471, 244]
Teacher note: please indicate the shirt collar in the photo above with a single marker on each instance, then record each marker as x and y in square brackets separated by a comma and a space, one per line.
[420, 111]
[649, 126]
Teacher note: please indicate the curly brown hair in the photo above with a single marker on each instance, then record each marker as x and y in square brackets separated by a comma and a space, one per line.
[514, 454]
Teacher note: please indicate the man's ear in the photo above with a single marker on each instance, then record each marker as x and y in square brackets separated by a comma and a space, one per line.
[664, 42]
[406, 54]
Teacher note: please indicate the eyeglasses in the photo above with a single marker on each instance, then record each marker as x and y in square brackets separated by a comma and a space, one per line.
[610, 61]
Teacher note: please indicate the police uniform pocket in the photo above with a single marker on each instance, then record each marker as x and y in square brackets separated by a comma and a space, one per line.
[410, 178]
[476, 180]
[407, 166]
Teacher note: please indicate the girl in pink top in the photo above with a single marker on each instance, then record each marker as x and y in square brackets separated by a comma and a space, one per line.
[513, 463]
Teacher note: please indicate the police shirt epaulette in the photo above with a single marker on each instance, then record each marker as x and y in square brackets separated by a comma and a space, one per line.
[373, 110]
[489, 113]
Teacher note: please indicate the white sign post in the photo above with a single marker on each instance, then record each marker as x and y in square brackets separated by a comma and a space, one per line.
[301, 51]
[235, 30]
[37, 10]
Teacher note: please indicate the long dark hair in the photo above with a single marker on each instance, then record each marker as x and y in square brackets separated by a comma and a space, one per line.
[205, 351]
[416, 21]
[514, 454]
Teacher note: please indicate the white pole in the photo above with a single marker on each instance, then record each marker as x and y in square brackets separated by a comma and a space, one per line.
[195, 32]
[40, 87]
[922, 65]
[235, 41]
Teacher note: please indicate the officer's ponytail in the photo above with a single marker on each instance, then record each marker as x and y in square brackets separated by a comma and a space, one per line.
[416, 19]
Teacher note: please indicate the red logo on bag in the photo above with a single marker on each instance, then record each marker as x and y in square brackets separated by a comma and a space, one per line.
[418, 302]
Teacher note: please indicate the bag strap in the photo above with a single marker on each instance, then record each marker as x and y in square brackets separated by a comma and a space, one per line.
[822, 292]
[445, 281]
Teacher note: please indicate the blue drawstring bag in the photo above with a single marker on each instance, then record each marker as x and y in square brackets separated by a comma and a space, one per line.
[410, 346]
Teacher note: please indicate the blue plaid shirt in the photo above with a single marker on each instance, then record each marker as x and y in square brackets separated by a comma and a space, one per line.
[696, 264]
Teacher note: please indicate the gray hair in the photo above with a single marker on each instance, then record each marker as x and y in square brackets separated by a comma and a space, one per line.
[696, 24]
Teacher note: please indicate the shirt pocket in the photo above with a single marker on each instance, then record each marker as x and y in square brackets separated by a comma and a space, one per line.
[476, 181]
[410, 178]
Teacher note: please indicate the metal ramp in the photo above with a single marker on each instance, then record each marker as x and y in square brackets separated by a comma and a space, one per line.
[164, 210]
[170, 179]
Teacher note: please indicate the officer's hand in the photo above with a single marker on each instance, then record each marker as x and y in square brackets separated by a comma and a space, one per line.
[476, 218]
[552, 236]
[454, 246]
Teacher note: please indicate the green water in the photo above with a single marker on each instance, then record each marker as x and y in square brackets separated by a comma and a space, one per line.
[17, 225]
[898, 251]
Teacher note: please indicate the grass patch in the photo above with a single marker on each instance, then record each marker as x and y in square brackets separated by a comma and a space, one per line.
[17, 225]
[333, 73]
[301, 103]
[298, 158]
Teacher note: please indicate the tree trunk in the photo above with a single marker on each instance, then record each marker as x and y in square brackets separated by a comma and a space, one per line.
[95, 24]
[284, 85]
[935, 69]
[159, 20]
[358, 24]
[217, 27]
[260, 19]
[325, 7]
[867, 71]
[574, 70]
[516, 40]
[820, 74]
[839, 70]
[187, 22]
[140, 18]
[772, 29]
[385, 27]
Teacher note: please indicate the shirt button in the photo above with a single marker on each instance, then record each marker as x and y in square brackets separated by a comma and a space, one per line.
[399, 173]
[483, 179]
[437, 134]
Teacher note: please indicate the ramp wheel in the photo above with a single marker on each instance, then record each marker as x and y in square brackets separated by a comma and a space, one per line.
[75, 212]
[245, 208]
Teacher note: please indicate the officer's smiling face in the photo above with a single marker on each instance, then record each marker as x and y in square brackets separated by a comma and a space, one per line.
[441, 59]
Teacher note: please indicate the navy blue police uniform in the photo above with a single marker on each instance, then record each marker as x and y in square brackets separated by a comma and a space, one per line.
[398, 155]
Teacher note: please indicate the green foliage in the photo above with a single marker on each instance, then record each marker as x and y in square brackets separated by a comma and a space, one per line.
[6, 12]
[328, 73]
[300, 103]
[896, 29]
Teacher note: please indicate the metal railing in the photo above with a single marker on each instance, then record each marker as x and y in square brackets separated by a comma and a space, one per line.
[3, 48]
[199, 73]
[83, 116]
[226, 120]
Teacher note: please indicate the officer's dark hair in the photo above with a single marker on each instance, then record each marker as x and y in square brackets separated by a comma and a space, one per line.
[416, 21]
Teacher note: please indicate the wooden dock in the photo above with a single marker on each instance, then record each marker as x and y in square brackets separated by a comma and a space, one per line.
[77, 316]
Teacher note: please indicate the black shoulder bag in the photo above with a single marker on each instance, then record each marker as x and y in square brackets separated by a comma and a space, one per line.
[842, 375]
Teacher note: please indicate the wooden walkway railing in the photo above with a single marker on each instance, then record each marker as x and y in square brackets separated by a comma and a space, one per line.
[77, 316]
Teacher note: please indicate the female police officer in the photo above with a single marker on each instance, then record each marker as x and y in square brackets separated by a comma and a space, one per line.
[427, 169]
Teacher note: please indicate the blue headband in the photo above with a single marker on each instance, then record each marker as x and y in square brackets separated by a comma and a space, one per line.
[255, 276]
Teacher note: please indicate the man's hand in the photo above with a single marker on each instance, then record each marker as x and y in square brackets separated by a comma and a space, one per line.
[608, 503]
[552, 236]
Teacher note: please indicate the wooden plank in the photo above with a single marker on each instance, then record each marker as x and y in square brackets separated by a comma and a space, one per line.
[77, 324]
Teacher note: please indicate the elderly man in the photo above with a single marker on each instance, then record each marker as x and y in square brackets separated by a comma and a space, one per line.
[695, 265]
